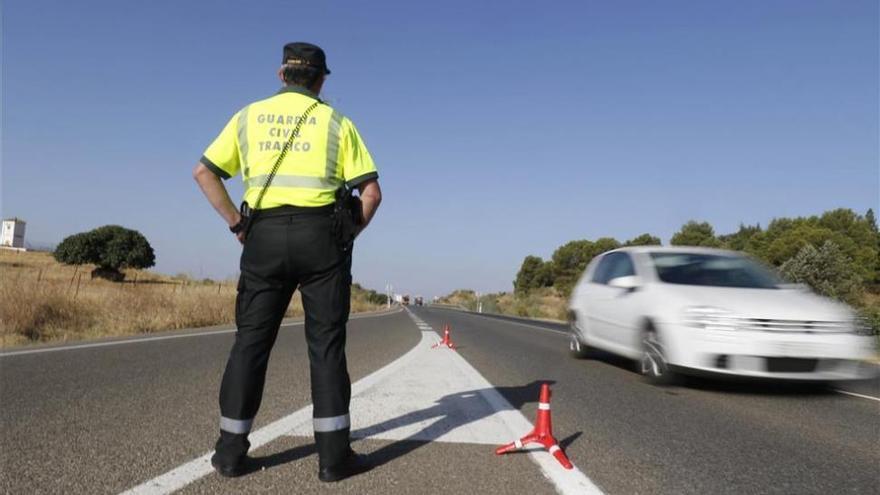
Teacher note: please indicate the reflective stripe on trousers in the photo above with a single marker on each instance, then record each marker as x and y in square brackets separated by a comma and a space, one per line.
[332, 424]
[237, 426]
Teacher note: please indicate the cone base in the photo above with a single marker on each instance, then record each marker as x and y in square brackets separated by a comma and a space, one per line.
[546, 441]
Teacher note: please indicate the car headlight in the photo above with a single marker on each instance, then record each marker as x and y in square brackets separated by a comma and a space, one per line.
[708, 318]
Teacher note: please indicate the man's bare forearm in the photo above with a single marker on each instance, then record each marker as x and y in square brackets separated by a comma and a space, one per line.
[215, 191]
[371, 197]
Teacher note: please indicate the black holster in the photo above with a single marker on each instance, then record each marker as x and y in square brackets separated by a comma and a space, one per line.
[347, 217]
[247, 218]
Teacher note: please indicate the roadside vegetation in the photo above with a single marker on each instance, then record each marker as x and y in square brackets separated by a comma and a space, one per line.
[836, 253]
[42, 300]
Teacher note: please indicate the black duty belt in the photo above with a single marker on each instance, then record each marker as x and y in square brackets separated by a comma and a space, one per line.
[287, 210]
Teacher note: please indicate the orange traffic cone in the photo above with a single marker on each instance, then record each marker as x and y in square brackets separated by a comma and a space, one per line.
[447, 340]
[542, 433]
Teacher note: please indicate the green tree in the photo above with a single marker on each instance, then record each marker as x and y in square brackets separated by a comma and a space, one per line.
[570, 260]
[644, 240]
[526, 278]
[872, 220]
[791, 241]
[872, 224]
[533, 274]
[695, 234]
[742, 239]
[826, 269]
[854, 235]
[77, 249]
[544, 277]
[110, 247]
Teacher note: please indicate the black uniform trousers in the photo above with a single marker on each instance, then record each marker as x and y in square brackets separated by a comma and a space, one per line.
[290, 248]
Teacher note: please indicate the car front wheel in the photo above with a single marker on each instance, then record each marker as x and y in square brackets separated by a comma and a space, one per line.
[653, 364]
[576, 349]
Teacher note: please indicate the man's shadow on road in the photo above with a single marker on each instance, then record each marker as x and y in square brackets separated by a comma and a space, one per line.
[449, 412]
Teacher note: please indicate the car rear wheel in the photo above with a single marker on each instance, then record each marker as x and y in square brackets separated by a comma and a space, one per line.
[653, 364]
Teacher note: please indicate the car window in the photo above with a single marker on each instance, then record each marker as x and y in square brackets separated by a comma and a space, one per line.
[621, 267]
[713, 270]
[602, 269]
[611, 266]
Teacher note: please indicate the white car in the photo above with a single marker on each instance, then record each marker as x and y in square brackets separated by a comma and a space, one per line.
[697, 310]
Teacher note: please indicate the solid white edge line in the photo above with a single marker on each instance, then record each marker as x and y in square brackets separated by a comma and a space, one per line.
[164, 337]
[862, 396]
[199, 467]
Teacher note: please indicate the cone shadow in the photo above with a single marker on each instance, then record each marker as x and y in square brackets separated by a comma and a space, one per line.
[516, 396]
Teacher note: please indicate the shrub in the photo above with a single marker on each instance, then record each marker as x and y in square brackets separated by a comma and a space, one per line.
[110, 247]
[826, 270]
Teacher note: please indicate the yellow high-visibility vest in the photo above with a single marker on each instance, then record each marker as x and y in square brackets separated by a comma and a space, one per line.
[327, 153]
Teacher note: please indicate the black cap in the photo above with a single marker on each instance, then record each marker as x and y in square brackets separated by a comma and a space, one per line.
[300, 53]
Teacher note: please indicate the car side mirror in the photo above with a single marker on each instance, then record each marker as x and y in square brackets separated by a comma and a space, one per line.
[630, 282]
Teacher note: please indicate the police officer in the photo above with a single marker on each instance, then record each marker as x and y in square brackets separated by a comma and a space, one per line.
[291, 244]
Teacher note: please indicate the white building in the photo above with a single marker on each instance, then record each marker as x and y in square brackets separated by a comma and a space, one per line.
[12, 233]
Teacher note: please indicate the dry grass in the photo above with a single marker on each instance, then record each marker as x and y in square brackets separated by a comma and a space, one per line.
[545, 304]
[43, 301]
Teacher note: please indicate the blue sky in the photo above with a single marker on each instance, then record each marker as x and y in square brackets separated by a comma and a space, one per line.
[500, 129]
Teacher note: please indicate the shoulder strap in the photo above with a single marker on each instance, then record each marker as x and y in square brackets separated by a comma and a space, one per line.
[283, 153]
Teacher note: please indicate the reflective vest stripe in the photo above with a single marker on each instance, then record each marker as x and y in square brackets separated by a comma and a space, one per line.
[334, 131]
[285, 180]
[243, 140]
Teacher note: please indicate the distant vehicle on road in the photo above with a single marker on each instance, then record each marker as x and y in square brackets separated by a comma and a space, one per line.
[699, 310]
[406, 300]
[419, 301]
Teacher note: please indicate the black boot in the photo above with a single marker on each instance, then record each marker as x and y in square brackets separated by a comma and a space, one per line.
[352, 465]
[230, 457]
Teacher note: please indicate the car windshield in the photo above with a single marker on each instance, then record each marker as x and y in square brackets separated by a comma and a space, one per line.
[715, 270]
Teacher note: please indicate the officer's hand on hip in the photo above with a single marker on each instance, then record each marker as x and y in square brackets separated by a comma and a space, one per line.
[235, 227]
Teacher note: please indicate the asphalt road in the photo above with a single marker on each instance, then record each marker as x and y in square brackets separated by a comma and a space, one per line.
[108, 418]
[704, 437]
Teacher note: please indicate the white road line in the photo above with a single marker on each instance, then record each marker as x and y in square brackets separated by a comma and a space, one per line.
[160, 337]
[869, 397]
[197, 468]
[572, 481]
[566, 481]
